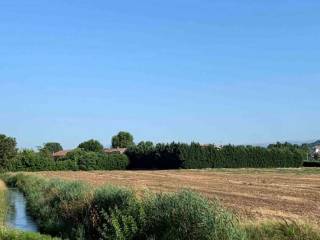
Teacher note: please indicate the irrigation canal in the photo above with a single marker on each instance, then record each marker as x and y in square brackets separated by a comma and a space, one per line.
[18, 216]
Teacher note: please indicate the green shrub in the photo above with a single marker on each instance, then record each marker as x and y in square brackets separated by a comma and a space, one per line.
[117, 214]
[112, 162]
[102, 161]
[66, 165]
[88, 161]
[78, 159]
[29, 160]
[187, 215]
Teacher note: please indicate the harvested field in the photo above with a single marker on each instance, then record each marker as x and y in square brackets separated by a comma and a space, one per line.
[251, 193]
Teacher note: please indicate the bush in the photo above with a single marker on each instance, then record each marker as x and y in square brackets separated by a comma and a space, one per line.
[187, 215]
[29, 160]
[112, 162]
[66, 165]
[117, 214]
[102, 161]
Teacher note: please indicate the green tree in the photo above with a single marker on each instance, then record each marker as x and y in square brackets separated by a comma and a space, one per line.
[8, 149]
[91, 146]
[52, 147]
[122, 140]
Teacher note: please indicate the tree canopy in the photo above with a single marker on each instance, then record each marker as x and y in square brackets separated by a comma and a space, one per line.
[122, 140]
[91, 146]
[52, 147]
[8, 149]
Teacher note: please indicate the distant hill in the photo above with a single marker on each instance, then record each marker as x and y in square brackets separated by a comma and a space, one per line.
[313, 144]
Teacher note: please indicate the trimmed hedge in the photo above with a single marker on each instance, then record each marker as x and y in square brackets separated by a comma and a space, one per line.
[175, 155]
[74, 210]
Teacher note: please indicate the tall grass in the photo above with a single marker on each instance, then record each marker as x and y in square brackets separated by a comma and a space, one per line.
[11, 234]
[73, 210]
[281, 231]
[3, 203]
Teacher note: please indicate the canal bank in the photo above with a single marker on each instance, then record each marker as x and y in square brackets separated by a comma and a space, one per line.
[6, 212]
[3, 202]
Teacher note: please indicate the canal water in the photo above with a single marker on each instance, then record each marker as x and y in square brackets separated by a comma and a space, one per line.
[18, 216]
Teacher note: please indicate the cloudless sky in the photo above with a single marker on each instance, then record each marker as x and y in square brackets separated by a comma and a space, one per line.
[180, 70]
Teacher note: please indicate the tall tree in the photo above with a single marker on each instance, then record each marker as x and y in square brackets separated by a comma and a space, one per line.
[52, 147]
[122, 140]
[8, 149]
[91, 146]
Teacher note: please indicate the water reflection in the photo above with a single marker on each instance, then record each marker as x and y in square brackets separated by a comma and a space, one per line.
[18, 216]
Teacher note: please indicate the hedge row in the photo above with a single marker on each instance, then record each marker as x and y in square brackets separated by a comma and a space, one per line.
[74, 210]
[28, 160]
[145, 155]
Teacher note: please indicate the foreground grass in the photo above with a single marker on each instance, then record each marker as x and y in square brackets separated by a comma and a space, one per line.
[74, 210]
[11, 234]
[281, 231]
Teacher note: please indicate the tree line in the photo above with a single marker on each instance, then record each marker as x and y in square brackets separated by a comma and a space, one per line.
[146, 155]
[90, 155]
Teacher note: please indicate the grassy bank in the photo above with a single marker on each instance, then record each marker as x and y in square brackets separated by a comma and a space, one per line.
[75, 210]
[11, 234]
[3, 202]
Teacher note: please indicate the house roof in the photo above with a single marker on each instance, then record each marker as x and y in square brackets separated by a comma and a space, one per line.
[114, 150]
[61, 153]
[106, 150]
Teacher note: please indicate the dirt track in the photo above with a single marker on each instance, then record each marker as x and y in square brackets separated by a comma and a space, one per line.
[253, 194]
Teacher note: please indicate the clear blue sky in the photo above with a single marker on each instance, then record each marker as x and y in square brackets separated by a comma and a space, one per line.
[209, 71]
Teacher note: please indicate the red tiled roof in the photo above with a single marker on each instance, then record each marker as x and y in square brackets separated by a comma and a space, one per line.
[61, 153]
[114, 150]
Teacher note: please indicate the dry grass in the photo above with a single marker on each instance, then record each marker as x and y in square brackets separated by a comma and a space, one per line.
[3, 202]
[2, 185]
[252, 194]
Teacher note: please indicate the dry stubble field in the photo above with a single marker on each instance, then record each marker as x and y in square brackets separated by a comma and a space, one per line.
[254, 194]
